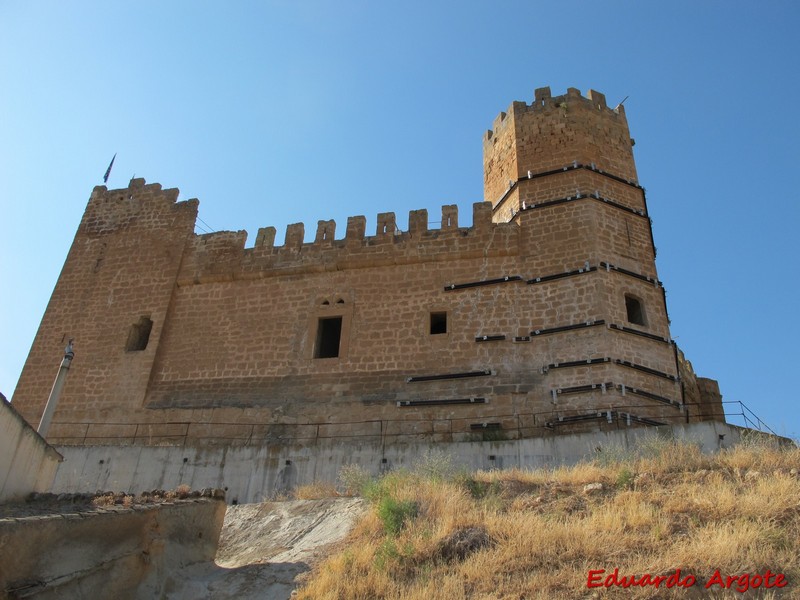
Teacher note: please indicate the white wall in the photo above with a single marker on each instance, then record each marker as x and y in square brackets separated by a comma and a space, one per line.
[252, 473]
[27, 463]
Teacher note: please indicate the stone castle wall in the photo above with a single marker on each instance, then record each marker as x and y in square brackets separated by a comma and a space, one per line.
[517, 326]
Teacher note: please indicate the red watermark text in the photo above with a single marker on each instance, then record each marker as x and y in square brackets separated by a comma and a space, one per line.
[740, 583]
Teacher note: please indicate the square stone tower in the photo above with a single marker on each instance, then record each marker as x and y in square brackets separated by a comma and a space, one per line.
[563, 168]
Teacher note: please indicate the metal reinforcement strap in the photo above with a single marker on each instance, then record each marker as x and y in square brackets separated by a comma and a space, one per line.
[545, 278]
[631, 390]
[581, 196]
[444, 401]
[490, 338]
[568, 327]
[651, 336]
[579, 389]
[472, 284]
[610, 267]
[484, 373]
[474, 426]
[578, 363]
[643, 369]
[574, 166]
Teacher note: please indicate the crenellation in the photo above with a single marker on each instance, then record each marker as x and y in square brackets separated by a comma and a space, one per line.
[295, 233]
[499, 120]
[482, 217]
[544, 100]
[143, 206]
[222, 254]
[171, 195]
[356, 230]
[450, 216]
[325, 232]
[417, 223]
[596, 98]
[265, 239]
[542, 95]
[386, 225]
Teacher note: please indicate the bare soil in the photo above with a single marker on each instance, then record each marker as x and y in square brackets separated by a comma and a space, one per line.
[265, 549]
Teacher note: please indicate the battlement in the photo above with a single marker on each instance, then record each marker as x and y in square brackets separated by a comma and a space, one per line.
[143, 204]
[544, 101]
[554, 131]
[387, 230]
[136, 186]
[223, 254]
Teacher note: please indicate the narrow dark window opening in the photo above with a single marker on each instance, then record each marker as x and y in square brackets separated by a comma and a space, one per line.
[438, 323]
[635, 310]
[329, 334]
[139, 335]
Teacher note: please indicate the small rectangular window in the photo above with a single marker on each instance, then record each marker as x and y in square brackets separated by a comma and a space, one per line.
[139, 335]
[438, 323]
[635, 310]
[329, 334]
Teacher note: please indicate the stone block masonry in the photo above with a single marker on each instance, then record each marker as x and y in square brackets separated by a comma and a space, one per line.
[546, 316]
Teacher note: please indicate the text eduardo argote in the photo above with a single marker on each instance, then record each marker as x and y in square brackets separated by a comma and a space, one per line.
[741, 582]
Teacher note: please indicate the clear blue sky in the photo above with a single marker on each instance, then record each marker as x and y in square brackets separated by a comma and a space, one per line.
[278, 112]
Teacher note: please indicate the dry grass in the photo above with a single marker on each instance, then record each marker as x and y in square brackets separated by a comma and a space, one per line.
[668, 507]
[315, 491]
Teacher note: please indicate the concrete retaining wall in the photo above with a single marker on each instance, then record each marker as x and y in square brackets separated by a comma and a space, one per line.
[27, 462]
[116, 552]
[253, 473]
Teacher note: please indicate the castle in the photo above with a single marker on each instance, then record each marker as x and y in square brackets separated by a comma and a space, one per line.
[544, 317]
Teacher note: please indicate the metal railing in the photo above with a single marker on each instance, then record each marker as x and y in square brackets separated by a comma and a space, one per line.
[513, 426]
[749, 418]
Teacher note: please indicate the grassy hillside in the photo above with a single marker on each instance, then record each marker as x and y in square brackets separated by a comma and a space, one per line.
[663, 515]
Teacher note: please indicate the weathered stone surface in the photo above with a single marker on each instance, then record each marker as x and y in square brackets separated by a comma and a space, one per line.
[128, 552]
[592, 488]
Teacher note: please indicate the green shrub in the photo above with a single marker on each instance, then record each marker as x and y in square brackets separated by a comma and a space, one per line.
[387, 552]
[478, 489]
[376, 490]
[394, 513]
[624, 478]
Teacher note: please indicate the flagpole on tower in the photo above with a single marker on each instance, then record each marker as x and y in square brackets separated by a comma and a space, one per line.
[108, 170]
